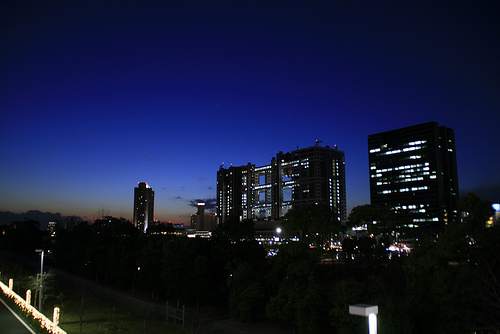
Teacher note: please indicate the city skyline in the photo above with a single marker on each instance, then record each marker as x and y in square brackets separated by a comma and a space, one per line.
[98, 97]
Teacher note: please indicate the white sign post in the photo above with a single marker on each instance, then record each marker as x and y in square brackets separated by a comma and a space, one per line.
[369, 311]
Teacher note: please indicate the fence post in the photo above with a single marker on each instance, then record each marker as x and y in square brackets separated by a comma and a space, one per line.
[55, 317]
[183, 315]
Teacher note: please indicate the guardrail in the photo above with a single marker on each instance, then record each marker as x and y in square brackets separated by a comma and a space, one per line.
[50, 325]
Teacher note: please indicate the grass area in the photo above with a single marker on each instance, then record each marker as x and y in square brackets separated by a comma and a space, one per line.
[102, 316]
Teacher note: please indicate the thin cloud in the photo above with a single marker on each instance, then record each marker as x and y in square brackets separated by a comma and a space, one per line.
[210, 203]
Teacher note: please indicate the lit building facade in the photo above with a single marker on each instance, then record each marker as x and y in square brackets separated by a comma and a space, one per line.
[414, 171]
[311, 175]
[201, 221]
[143, 206]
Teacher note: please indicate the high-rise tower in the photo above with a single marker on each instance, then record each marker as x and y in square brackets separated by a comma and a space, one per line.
[143, 206]
[312, 175]
[414, 171]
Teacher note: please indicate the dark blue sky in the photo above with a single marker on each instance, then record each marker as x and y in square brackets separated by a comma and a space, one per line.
[96, 96]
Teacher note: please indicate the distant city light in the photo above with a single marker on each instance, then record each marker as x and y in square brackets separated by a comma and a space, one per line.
[496, 207]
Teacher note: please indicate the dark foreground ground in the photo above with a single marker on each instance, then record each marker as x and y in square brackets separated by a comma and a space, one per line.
[88, 307]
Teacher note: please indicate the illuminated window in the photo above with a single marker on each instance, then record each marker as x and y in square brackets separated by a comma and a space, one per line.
[393, 152]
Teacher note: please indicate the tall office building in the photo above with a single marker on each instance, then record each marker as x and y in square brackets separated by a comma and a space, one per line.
[305, 176]
[143, 206]
[414, 171]
[201, 221]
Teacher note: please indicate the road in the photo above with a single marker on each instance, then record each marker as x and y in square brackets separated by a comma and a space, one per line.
[10, 324]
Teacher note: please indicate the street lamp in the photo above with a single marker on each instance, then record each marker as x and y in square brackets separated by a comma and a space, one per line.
[369, 311]
[42, 252]
[496, 217]
[278, 231]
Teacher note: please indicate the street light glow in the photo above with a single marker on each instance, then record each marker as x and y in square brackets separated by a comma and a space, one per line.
[369, 311]
[372, 323]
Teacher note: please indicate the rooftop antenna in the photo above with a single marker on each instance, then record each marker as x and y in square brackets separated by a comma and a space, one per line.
[318, 141]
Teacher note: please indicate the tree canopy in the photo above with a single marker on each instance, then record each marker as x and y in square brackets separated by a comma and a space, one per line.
[317, 223]
[378, 219]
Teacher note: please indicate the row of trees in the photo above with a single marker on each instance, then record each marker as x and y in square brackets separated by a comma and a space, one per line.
[446, 285]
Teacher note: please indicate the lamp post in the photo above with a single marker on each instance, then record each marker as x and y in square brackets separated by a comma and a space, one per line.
[369, 311]
[278, 231]
[42, 252]
[496, 217]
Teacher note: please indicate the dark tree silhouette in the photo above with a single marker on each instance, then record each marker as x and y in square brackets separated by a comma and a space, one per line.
[235, 230]
[378, 219]
[22, 237]
[316, 223]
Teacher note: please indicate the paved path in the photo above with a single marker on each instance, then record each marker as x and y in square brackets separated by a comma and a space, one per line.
[11, 323]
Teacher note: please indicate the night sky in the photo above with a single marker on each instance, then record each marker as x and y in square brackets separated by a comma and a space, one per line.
[96, 96]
